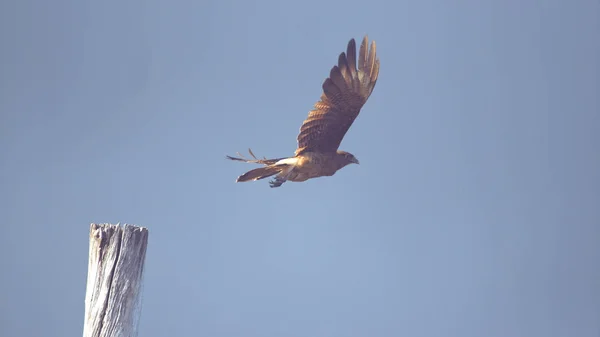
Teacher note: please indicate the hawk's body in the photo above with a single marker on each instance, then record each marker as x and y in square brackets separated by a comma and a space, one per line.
[344, 93]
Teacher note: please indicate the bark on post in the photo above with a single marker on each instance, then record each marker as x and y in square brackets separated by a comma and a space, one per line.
[114, 282]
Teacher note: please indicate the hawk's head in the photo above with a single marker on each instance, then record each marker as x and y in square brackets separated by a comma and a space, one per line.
[346, 158]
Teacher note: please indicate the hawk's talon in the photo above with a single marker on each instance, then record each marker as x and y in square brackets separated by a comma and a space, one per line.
[276, 182]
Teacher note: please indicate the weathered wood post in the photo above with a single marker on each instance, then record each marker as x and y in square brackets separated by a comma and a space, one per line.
[114, 282]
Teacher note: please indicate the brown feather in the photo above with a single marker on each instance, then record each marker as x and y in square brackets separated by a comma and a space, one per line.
[260, 173]
[345, 91]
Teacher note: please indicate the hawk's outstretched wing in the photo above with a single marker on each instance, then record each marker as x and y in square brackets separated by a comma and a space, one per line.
[344, 93]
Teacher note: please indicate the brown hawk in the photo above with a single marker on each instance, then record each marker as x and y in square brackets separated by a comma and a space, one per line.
[344, 93]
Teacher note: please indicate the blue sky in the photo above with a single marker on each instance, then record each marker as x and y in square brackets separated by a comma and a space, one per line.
[474, 211]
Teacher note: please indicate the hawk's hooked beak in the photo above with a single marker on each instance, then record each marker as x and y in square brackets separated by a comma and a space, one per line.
[355, 161]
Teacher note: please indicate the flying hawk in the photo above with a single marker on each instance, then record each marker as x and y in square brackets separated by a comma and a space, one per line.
[344, 93]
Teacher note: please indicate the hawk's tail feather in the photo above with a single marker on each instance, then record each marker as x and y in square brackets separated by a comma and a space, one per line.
[255, 160]
[261, 173]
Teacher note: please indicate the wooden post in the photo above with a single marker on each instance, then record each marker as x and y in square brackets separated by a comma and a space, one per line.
[114, 282]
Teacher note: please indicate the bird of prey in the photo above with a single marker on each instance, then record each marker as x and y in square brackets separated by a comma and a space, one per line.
[345, 91]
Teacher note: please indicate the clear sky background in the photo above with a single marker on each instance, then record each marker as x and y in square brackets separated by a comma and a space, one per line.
[475, 211]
